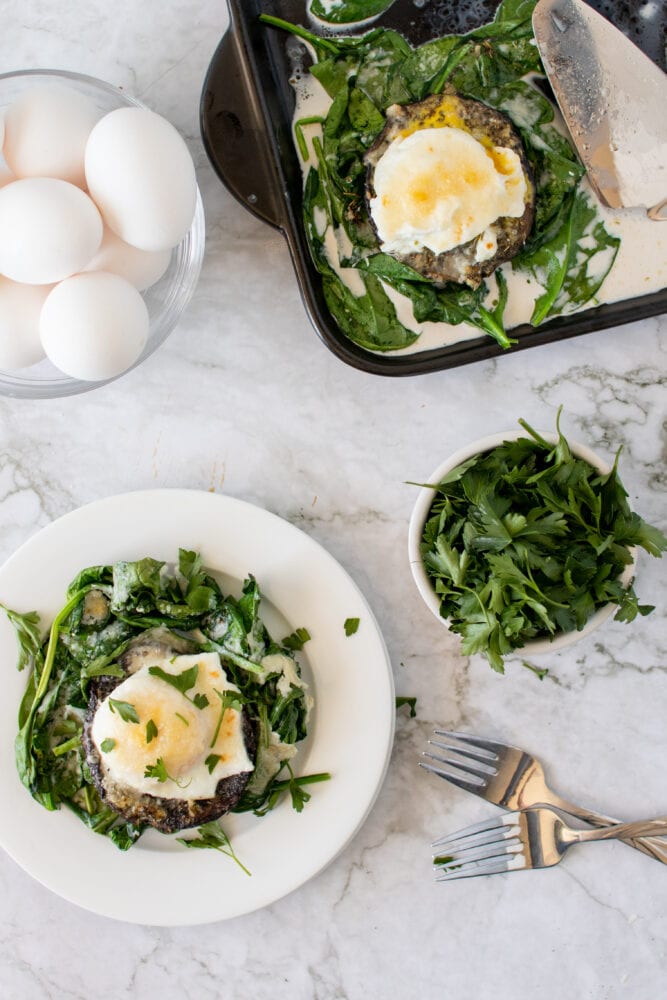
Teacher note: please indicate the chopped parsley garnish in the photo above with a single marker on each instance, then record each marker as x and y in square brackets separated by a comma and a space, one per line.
[410, 702]
[351, 625]
[151, 731]
[297, 639]
[127, 712]
[182, 718]
[158, 770]
[211, 762]
[106, 746]
[183, 682]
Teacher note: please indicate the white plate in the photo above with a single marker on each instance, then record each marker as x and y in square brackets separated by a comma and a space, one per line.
[158, 881]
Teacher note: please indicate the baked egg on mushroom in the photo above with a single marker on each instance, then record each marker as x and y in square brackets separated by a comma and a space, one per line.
[166, 744]
[449, 190]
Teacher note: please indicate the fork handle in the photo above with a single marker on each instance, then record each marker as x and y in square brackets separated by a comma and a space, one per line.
[653, 845]
[624, 831]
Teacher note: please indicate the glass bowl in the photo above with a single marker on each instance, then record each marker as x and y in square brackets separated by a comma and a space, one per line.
[166, 299]
[420, 515]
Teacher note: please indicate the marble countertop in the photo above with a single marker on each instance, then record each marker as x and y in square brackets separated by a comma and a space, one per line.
[244, 399]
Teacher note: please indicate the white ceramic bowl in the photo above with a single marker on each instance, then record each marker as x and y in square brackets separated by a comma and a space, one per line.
[166, 299]
[420, 515]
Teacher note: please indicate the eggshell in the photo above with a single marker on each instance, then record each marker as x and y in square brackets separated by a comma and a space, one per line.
[20, 308]
[142, 268]
[49, 229]
[94, 326]
[141, 175]
[2, 131]
[46, 130]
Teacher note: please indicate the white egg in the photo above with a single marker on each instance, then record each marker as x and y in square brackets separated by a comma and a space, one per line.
[20, 307]
[49, 229]
[46, 130]
[141, 175]
[94, 326]
[2, 132]
[142, 268]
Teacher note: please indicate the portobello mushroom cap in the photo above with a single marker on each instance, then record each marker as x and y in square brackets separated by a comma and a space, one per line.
[489, 127]
[165, 814]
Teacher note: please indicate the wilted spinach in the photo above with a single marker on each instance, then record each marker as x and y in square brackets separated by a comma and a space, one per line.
[569, 251]
[131, 597]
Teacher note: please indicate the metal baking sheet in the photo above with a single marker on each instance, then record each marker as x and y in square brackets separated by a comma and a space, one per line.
[246, 113]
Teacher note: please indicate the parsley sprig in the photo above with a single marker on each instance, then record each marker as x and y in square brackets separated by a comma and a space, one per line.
[528, 540]
[183, 682]
[159, 770]
[211, 835]
[127, 711]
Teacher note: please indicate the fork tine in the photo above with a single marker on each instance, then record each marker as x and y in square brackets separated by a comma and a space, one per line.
[495, 867]
[495, 824]
[468, 785]
[491, 852]
[492, 746]
[457, 847]
[465, 762]
[483, 757]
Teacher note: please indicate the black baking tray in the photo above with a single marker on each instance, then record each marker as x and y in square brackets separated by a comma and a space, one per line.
[246, 113]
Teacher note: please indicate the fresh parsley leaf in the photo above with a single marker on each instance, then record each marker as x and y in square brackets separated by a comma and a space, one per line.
[127, 712]
[211, 835]
[351, 625]
[211, 762]
[106, 746]
[158, 770]
[528, 540]
[297, 639]
[276, 788]
[410, 702]
[151, 731]
[183, 682]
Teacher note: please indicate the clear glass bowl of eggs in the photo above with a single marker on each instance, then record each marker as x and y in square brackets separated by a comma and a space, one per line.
[101, 232]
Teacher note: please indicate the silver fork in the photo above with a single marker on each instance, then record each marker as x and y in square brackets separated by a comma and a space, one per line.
[533, 838]
[511, 778]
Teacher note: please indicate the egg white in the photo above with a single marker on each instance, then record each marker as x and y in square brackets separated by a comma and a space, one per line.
[186, 735]
[439, 188]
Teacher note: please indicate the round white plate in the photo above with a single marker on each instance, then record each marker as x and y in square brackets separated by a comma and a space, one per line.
[158, 881]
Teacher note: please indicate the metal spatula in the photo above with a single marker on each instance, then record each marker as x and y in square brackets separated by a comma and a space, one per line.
[614, 102]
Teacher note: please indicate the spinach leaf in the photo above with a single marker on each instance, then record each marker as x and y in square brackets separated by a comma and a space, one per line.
[572, 266]
[28, 634]
[25, 759]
